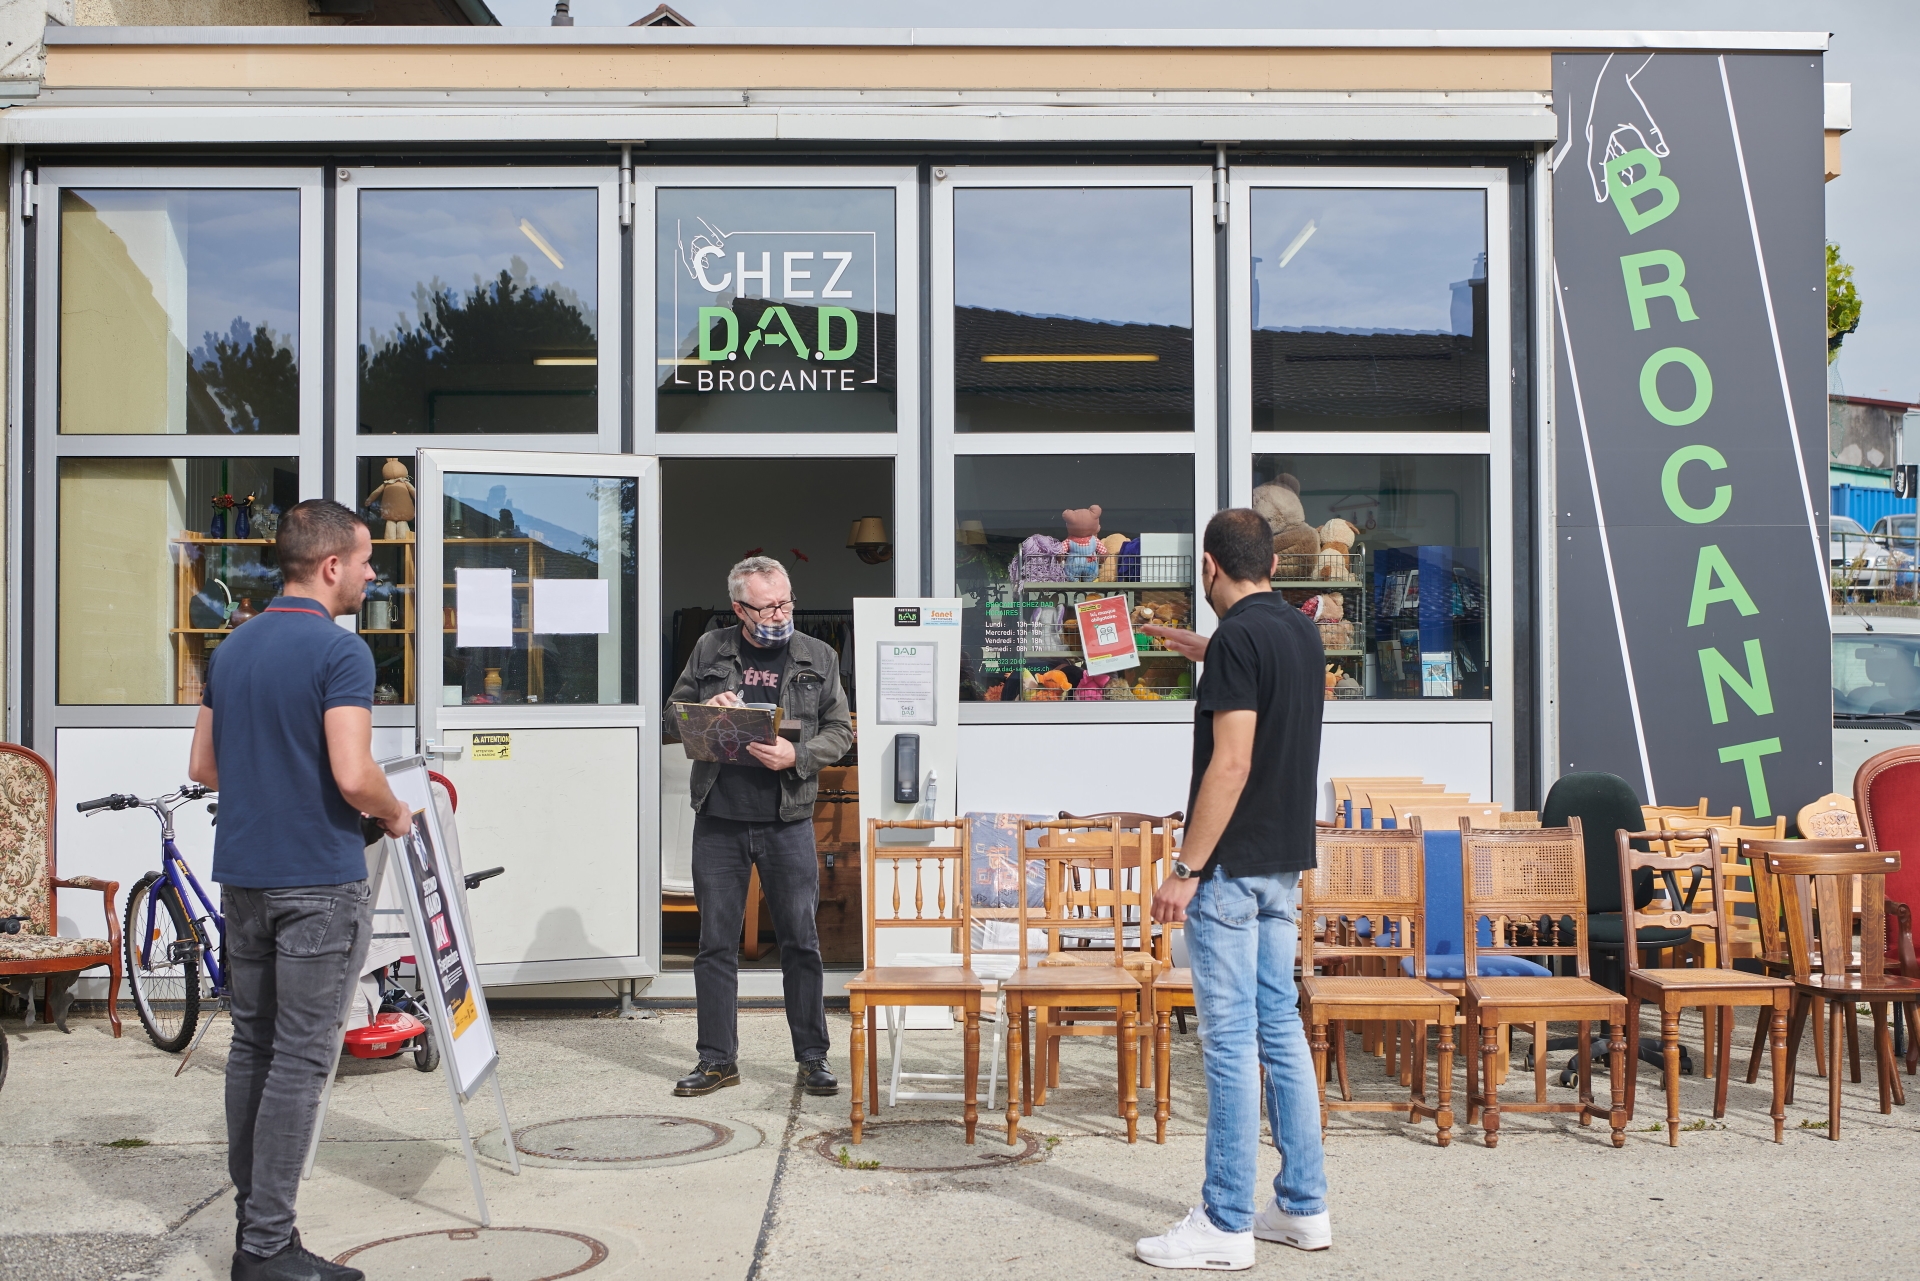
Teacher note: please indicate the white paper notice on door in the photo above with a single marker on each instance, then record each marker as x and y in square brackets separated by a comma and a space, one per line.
[483, 608]
[907, 676]
[570, 605]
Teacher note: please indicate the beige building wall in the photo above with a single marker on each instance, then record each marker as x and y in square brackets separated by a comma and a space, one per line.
[116, 580]
[123, 366]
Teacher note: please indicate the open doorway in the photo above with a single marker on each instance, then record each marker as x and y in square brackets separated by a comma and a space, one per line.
[830, 521]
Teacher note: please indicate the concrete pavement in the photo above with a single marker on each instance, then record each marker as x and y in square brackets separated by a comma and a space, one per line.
[110, 1167]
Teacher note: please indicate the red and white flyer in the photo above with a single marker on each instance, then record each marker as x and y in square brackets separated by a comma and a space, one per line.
[1106, 635]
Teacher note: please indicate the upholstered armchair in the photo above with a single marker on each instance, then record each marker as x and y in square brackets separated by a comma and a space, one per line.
[30, 883]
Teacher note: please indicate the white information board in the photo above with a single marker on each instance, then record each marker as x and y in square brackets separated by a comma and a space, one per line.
[443, 944]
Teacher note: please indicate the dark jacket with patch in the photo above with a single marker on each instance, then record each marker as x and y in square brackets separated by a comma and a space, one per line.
[810, 697]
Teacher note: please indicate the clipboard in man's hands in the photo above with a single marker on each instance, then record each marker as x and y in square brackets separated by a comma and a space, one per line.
[720, 734]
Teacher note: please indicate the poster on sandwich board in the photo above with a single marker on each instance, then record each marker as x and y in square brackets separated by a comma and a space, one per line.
[443, 942]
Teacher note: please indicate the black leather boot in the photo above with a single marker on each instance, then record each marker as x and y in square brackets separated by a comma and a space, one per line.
[706, 1078]
[816, 1079]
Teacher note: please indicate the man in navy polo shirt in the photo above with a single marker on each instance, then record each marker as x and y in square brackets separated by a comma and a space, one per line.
[285, 732]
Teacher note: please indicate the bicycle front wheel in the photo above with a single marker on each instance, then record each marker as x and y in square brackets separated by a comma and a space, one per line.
[163, 966]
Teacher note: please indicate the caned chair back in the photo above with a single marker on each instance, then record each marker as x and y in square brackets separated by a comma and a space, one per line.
[1819, 881]
[1528, 885]
[1698, 905]
[1654, 813]
[1832, 816]
[1148, 842]
[1374, 876]
[1089, 882]
[26, 839]
[920, 887]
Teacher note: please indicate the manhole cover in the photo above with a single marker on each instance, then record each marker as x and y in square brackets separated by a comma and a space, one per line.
[924, 1147]
[635, 1137]
[498, 1254]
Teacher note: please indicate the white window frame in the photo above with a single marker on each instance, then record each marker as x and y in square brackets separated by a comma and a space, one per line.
[42, 616]
[902, 444]
[1496, 444]
[1200, 445]
[349, 445]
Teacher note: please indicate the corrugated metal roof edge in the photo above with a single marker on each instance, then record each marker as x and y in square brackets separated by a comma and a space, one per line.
[956, 37]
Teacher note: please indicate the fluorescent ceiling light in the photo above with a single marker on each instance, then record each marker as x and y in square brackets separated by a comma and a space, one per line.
[540, 243]
[1077, 359]
[566, 360]
[1306, 234]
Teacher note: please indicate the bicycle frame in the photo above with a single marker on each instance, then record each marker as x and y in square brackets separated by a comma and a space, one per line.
[180, 876]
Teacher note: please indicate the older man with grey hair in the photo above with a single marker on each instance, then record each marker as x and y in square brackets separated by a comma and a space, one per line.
[761, 816]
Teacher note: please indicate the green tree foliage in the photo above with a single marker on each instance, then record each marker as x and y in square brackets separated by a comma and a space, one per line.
[243, 382]
[1843, 301]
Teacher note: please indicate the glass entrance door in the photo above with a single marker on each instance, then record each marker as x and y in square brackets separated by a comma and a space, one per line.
[528, 644]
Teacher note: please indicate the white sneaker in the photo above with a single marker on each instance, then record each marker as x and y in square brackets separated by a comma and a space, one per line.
[1301, 1231]
[1195, 1243]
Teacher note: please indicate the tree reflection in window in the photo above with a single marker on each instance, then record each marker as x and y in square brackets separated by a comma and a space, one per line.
[245, 380]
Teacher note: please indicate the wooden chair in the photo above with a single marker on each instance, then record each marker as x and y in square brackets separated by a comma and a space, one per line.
[1717, 986]
[1740, 908]
[916, 901]
[30, 883]
[1037, 984]
[1886, 796]
[1377, 805]
[1146, 842]
[1832, 816]
[1654, 813]
[1347, 794]
[1524, 884]
[1378, 877]
[1818, 881]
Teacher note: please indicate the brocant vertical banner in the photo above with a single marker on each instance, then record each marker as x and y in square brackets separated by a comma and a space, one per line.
[1690, 426]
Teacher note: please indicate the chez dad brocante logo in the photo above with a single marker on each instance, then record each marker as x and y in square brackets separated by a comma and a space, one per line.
[818, 355]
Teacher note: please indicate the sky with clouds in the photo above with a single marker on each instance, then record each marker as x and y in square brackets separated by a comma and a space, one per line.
[1870, 209]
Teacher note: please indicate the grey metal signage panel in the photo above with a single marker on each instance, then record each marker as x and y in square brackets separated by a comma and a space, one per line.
[1690, 339]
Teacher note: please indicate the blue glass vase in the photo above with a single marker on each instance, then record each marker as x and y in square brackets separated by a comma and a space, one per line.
[218, 529]
[242, 522]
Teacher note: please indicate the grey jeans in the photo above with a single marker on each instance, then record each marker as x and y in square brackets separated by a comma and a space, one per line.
[725, 853]
[291, 955]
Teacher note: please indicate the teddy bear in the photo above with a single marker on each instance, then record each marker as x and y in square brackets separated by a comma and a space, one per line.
[1336, 541]
[393, 496]
[1082, 543]
[1329, 611]
[1295, 542]
[1110, 557]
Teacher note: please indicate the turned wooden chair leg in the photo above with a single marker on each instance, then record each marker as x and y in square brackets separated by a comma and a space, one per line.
[1443, 1119]
[1317, 1042]
[1775, 1021]
[857, 1052]
[1490, 1102]
[1670, 1053]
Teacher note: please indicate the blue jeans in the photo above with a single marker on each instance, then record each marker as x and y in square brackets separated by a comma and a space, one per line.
[1242, 938]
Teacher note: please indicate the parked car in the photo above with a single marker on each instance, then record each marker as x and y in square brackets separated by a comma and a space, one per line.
[1898, 532]
[1861, 559]
[1876, 690]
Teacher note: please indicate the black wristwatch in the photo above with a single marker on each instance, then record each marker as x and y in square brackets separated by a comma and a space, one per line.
[1182, 872]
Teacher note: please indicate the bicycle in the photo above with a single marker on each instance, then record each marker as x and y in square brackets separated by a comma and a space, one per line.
[168, 938]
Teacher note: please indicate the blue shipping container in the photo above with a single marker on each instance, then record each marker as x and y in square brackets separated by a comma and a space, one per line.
[1868, 505]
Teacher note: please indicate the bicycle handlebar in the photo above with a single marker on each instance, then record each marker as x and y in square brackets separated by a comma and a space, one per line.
[125, 801]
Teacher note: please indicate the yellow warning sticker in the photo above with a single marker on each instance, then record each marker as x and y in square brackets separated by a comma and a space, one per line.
[493, 747]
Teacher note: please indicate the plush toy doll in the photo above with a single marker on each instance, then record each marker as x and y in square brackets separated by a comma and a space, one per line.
[393, 496]
[1083, 543]
[1294, 541]
[1110, 557]
[1091, 689]
[1329, 611]
[1336, 540]
[1051, 687]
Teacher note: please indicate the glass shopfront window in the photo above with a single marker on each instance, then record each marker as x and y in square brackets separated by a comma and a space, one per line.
[1037, 536]
[479, 311]
[543, 587]
[1073, 309]
[1369, 309]
[1389, 555]
[179, 312]
[155, 569]
[775, 310]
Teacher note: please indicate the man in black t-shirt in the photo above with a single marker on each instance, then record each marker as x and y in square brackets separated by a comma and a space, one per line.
[759, 816]
[1249, 835]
